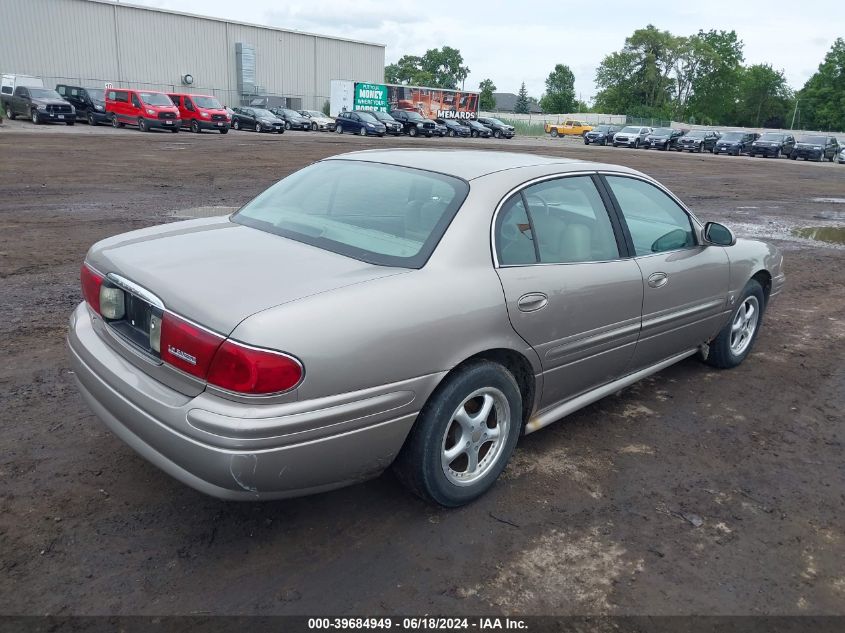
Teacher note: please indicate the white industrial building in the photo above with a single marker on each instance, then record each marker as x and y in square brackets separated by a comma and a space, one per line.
[92, 42]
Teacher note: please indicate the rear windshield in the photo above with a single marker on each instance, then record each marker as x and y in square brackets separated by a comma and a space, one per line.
[155, 98]
[208, 102]
[381, 214]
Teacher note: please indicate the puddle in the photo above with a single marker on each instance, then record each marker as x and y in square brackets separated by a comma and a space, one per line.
[830, 215]
[831, 200]
[830, 234]
[202, 212]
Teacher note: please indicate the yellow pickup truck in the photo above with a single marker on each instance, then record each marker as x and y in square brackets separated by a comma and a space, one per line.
[569, 127]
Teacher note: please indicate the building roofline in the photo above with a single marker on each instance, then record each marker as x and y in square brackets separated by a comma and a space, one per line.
[129, 5]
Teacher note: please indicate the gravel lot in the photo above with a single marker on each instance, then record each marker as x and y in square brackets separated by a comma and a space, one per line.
[695, 491]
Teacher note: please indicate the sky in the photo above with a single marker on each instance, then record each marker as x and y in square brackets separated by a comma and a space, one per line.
[513, 42]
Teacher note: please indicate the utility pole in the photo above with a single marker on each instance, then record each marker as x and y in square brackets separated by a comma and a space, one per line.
[794, 112]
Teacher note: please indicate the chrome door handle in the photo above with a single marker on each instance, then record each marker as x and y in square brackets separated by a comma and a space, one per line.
[658, 280]
[532, 302]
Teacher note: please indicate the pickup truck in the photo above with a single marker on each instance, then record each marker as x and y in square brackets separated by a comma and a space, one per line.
[38, 104]
[569, 127]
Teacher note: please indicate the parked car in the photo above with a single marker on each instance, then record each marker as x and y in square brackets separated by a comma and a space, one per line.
[498, 128]
[772, 144]
[145, 108]
[698, 141]
[40, 105]
[735, 143]
[440, 129]
[391, 125]
[574, 295]
[841, 159]
[663, 138]
[293, 119]
[413, 123]
[631, 136]
[201, 112]
[257, 119]
[359, 122]
[319, 121]
[816, 147]
[570, 127]
[478, 130]
[455, 127]
[89, 103]
[601, 134]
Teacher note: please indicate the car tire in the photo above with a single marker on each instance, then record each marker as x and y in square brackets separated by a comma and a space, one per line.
[452, 133]
[422, 465]
[224, 130]
[91, 120]
[362, 131]
[287, 125]
[258, 127]
[115, 123]
[616, 145]
[174, 130]
[339, 129]
[412, 131]
[9, 113]
[70, 122]
[474, 134]
[497, 134]
[586, 141]
[777, 153]
[142, 125]
[195, 127]
[313, 127]
[554, 133]
[236, 124]
[733, 344]
[34, 117]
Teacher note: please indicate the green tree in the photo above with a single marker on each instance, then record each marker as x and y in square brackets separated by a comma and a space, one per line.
[521, 105]
[765, 99]
[486, 100]
[437, 68]
[560, 91]
[616, 83]
[822, 99]
[713, 81]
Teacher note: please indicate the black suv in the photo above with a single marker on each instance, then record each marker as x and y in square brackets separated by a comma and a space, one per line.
[663, 138]
[772, 144]
[697, 141]
[601, 134]
[498, 128]
[413, 123]
[816, 148]
[735, 143]
[90, 103]
[40, 105]
[476, 129]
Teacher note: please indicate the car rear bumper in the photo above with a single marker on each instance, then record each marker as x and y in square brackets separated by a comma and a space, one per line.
[238, 451]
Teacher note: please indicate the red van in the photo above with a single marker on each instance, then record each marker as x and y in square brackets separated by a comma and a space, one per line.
[145, 108]
[201, 112]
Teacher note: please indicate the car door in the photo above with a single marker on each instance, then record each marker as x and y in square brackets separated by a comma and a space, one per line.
[571, 290]
[20, 101]
[686, 283]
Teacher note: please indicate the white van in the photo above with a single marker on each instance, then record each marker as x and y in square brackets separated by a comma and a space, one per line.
[8, 83]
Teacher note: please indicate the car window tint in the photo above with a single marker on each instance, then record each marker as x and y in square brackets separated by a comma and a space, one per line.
[656, 223]
[570, 221]
[382, 214]
[514, 237]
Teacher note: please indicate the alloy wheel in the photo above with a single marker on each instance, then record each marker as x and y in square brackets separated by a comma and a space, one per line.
[744, 325]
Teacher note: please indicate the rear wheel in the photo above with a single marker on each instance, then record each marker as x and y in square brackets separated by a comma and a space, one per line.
[69, 122]
[464, 435]
[736, 339]
[474, 134]
[224, 130]
[114, 122]
[9, 113]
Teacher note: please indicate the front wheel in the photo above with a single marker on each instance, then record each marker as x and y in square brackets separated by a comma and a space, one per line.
[9, 113]
[362, 131]
[287, 125]
[224, 130]
[313, 127]
[497, 134]
[34, 117]
[452, 133]
[339, 129]
[142, 125]
[464, 435]
[412, 131]
[736, 339]
[236, 124]
[554, 133]
[195, 126]
[257, 127]
[91, 120]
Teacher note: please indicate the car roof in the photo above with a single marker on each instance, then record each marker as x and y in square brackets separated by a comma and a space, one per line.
[470, 164]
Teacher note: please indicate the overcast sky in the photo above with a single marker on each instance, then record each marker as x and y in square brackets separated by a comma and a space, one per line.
[512, 42]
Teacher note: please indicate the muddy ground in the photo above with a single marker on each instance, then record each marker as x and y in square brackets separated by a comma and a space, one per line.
[696, 491]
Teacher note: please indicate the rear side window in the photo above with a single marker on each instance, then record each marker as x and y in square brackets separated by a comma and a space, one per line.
[381, 214]
[656, 222]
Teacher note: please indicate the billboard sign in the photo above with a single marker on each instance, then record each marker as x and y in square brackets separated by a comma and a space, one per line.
[371, 97]
[433, 103]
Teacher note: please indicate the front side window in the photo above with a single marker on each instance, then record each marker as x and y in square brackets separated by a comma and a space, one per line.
[568, 218]
[135, 101]
[656, 222]
[381, 214]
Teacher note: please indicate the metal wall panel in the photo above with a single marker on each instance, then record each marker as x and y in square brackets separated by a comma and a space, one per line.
[91, 42]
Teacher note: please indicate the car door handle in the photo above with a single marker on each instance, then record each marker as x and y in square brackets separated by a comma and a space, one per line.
[532, 302]
[658, 280]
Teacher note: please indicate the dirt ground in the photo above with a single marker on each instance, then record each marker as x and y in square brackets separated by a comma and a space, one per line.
[695, 492]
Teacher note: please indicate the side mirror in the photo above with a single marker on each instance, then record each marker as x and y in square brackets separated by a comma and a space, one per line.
[718, 234]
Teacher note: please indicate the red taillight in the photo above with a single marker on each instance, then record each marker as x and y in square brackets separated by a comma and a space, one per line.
[254, 371]
[186, 346]
[91, 283]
